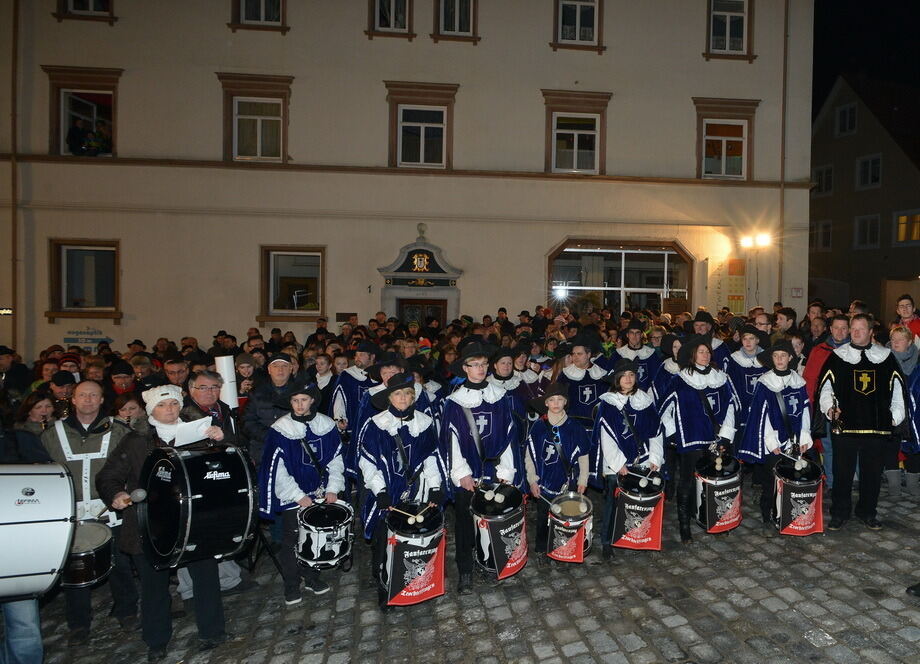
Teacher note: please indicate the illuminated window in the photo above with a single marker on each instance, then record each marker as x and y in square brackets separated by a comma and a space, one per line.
[907, 227]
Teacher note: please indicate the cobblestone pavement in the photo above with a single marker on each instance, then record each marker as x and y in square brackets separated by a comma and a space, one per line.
[740, 597]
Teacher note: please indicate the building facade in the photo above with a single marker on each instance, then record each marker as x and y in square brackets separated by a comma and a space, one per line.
[183, 167]
[865, 207]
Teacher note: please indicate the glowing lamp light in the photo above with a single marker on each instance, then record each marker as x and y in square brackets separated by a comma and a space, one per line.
[762, 240]
[747, 242]
[560, 293]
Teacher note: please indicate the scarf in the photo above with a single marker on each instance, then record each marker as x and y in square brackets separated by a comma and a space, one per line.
[907, 360]
[166, 432]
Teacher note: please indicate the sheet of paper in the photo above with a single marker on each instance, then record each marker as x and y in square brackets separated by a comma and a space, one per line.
[191, 432]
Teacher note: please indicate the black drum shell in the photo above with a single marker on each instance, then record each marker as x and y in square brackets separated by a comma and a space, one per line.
[811, 473]
[399, 523]
[706, 466]
[88, 568]
[489, 508]
[630, 483]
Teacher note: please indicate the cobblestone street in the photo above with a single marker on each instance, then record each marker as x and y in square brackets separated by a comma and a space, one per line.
[740, 597]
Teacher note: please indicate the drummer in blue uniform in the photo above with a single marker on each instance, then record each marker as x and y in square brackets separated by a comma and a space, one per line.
[301, 464]
[744, 368]
[557, 456]
[627, 432]
[773, 427]
[400, 461]
[705, 325]
[646, 359]
[585, 380]
[661, 381]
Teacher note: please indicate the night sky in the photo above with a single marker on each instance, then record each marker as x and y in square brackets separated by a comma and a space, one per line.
[875, 38]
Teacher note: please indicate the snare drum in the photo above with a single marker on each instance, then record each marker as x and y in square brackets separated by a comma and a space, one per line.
[570, 527]
[798, 498]
[414, 568]
[639, 510]
[325, 535]
[718, 493]
[200, 504]
[90, 558]
[37, 512]
[500, 531]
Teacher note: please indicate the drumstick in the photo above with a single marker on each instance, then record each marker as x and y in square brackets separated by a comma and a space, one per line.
[137, 496]
[419, 517]
[555, 509]
[643, 482]
[799, 461]
[394, 509]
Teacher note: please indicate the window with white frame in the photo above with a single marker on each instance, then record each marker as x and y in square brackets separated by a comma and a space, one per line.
[907, 227]
[724, 148]
[86, 123]
[823, 177]
[819, 238]
[90, 7]
[292, 281]
[422, 132]
[869, 172]
[575, 142]
[456, 17]
[578, 22]
[257, 127]
[260, 12]
[391, 15]
[866, 232]
[87, 276]
[728, 26]
[845, 120]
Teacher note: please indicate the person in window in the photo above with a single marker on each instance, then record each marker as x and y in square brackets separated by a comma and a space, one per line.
[104, 137]
[76, 138]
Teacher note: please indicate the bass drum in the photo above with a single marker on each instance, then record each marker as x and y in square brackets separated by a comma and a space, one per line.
[36, 527]
[200, 504]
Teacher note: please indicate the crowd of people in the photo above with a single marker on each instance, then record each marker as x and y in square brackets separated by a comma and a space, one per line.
[379, 412]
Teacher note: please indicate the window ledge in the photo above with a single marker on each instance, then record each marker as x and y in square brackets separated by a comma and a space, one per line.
[66, 16]
[114, 316]
[283, 29]
[599, 48]
[469, 39]
[750, 57]
[288, 318]
[385, 33]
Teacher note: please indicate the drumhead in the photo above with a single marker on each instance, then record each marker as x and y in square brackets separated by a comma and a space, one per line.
[322, 516]
[572, 505]
[513, 499]
[432, 519]
[630, 483]
[706, 467]
[785, 469]
[164, 482]
[90, 535]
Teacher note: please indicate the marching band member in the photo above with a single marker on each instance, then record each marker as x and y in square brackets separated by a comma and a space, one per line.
[627, 432]
[399, 461]
[584, 379]
[646, 359]
[779, 417]
[477, 436]
[557, 454]
[705, 325]
[116, 479]
[744, 368]
[351, 386]
[699, 412]
[661, 381]
[301, 464]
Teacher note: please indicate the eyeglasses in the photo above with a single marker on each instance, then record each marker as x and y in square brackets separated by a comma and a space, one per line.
[556, 438]
[208, 388]
[477, 365]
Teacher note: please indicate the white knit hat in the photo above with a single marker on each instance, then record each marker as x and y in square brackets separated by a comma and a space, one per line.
[155, 395]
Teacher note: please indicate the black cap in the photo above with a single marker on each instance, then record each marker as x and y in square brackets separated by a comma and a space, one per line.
[524, 313]
[588, 341]
[621, 367]
[766, 357]
[387, 359]
[62, 378]
[381, 400]
[502, 310]
[121, 367]
[138, 342]
[6, 350]
[223, 333]
[309, 389]
[636, 323]
[368, 347]
[279, 357]
[704, 317]
[667, 345]
[558, 389]
[274, 329]
[688, 348]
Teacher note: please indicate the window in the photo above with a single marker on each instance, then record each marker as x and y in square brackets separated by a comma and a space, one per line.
[907, 227]
[421, 136]
[456, 20]
[258, 15]
[575, 143]
[255, 116]
[421, 124]
[389, 18]
[576, 131]
[869, 172]
[823, 177]
[578, 24]
[84, 279]
[819, 237]
[729, 30]
[86, 10]
[866, 235]
[845, 120]
[83, 118]
[293, 282]
[725, 129]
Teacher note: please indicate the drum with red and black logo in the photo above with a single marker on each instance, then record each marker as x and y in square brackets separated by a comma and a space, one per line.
[798, 497]
[718, 493]
[570, 527]
[414, 568]
[500, 531]
[639, 510]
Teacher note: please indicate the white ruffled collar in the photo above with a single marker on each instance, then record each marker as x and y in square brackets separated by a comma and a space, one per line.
[288, 427]
[776, 383]
[715, 343]
[744, 360]
[670, 366]
[639, 401]
[509, 384]
[574, 373]
[699, 381]
[876, 353]
[357, 373]
[387, 421]
[530, 376]
[432, 387]
[641, 354]
[468, 398]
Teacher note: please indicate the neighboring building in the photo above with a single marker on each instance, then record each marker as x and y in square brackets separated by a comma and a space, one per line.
[865, 206]
[271, 161]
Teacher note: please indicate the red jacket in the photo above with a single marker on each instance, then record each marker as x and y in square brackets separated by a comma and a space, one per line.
[816, 359]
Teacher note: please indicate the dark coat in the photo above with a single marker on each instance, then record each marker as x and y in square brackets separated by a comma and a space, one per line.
[265, 405]
[191, 411]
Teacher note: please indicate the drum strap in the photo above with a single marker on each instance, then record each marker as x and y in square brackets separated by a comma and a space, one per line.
[320, 469]
[401, 448]
[708, 408]
[474, 432]
[642, 443]
[782, 409]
